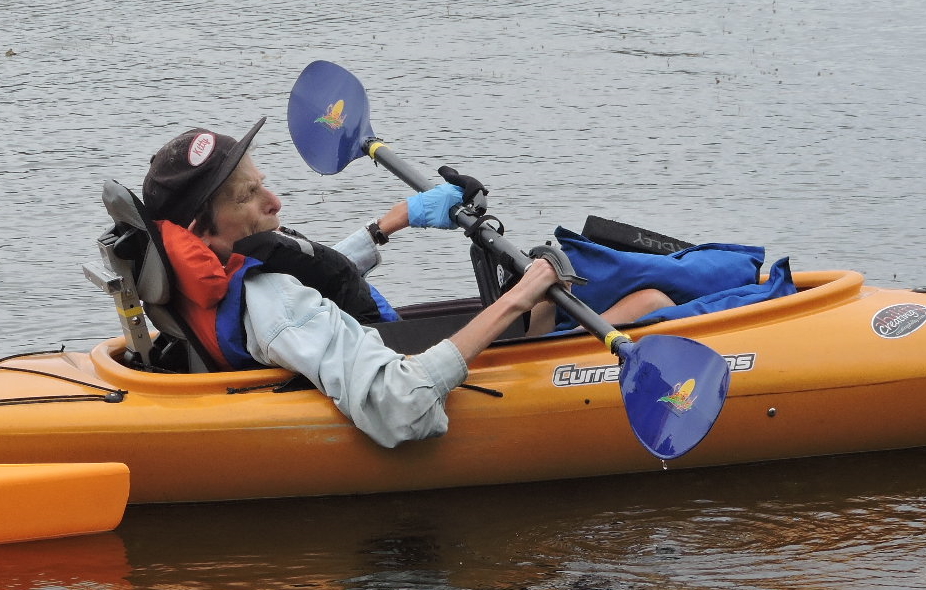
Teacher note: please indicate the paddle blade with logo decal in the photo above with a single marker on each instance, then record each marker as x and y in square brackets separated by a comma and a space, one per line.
[673, 389]
[329, 117]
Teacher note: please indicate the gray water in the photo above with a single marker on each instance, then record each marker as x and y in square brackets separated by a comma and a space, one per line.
[798, 126]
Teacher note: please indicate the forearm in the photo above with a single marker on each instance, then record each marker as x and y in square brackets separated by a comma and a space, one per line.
[485, 328]
[395, 219]
[495, 319]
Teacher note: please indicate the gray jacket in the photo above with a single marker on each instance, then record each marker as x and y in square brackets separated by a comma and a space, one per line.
[390, 397]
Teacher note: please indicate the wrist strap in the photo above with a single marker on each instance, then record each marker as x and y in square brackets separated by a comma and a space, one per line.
[379, 238]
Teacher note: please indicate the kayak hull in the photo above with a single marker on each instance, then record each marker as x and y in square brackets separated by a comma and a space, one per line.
[45, 501]
[810, 376]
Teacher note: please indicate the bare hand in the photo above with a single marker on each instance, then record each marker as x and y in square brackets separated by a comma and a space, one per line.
[533, 286]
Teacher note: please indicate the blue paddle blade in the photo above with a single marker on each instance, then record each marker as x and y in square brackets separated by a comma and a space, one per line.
[329, 117]
[674, 389]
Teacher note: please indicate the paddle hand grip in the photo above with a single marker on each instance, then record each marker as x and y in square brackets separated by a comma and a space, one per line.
[560, 263]
[474, 192]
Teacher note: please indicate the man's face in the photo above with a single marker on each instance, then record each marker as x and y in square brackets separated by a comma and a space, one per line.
[245, 210]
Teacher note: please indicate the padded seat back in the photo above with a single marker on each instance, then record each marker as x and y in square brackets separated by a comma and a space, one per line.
[136, 242]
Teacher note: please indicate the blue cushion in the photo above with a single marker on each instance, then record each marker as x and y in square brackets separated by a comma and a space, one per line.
[684, 276]
[779, 284]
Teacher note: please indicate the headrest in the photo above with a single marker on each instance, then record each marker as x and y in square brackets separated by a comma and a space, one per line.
[124, 207]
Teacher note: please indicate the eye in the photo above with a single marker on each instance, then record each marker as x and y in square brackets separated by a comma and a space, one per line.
[248, 194]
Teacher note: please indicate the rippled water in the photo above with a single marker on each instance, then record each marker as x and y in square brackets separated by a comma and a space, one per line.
[795, 125]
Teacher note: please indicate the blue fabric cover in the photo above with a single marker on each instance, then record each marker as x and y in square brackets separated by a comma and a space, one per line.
[386, 311]
[779, 284]
[716, 272]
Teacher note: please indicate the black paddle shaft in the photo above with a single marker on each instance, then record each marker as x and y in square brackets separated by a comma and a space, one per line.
[515, 260]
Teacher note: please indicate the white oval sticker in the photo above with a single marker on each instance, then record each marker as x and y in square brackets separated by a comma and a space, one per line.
[202, 146]
[897, 321]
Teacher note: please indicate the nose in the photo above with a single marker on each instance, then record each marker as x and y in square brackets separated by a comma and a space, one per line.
[272, 203]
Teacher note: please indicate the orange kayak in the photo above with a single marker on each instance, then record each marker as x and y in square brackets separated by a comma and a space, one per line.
[836, 368]
[45, 501]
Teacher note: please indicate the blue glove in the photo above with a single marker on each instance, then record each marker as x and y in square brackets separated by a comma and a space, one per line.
[432, 208]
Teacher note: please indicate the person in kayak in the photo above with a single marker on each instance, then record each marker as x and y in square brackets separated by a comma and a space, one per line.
[241, 293]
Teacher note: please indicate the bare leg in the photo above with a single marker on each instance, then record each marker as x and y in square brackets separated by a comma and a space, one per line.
[628, 309]
[636, 305]
[543, 319]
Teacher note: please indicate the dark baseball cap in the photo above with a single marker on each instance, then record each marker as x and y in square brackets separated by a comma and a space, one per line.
[189, 169]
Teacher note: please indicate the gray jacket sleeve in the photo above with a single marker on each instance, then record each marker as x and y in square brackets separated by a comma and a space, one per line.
[361, 250]
[392, 398]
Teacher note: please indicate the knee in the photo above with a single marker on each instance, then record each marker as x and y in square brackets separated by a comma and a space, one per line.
[653, 299]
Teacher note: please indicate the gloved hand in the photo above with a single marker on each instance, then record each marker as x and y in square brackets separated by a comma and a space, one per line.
[432, 208]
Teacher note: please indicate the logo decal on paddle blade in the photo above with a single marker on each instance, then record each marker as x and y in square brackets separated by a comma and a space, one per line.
[681, 398]
[334, 118]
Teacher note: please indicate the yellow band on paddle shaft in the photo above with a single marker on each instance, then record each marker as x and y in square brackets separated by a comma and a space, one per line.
[371, 151]
[612, 336]
[130, 312]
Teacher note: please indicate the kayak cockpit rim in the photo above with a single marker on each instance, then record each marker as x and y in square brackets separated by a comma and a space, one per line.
[816, 290]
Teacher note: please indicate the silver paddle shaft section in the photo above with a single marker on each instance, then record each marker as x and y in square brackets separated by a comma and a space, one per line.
[381, 154]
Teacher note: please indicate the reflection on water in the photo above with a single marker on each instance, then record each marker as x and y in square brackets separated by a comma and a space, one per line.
[847, 522]
[92, 562]
[798, 126]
